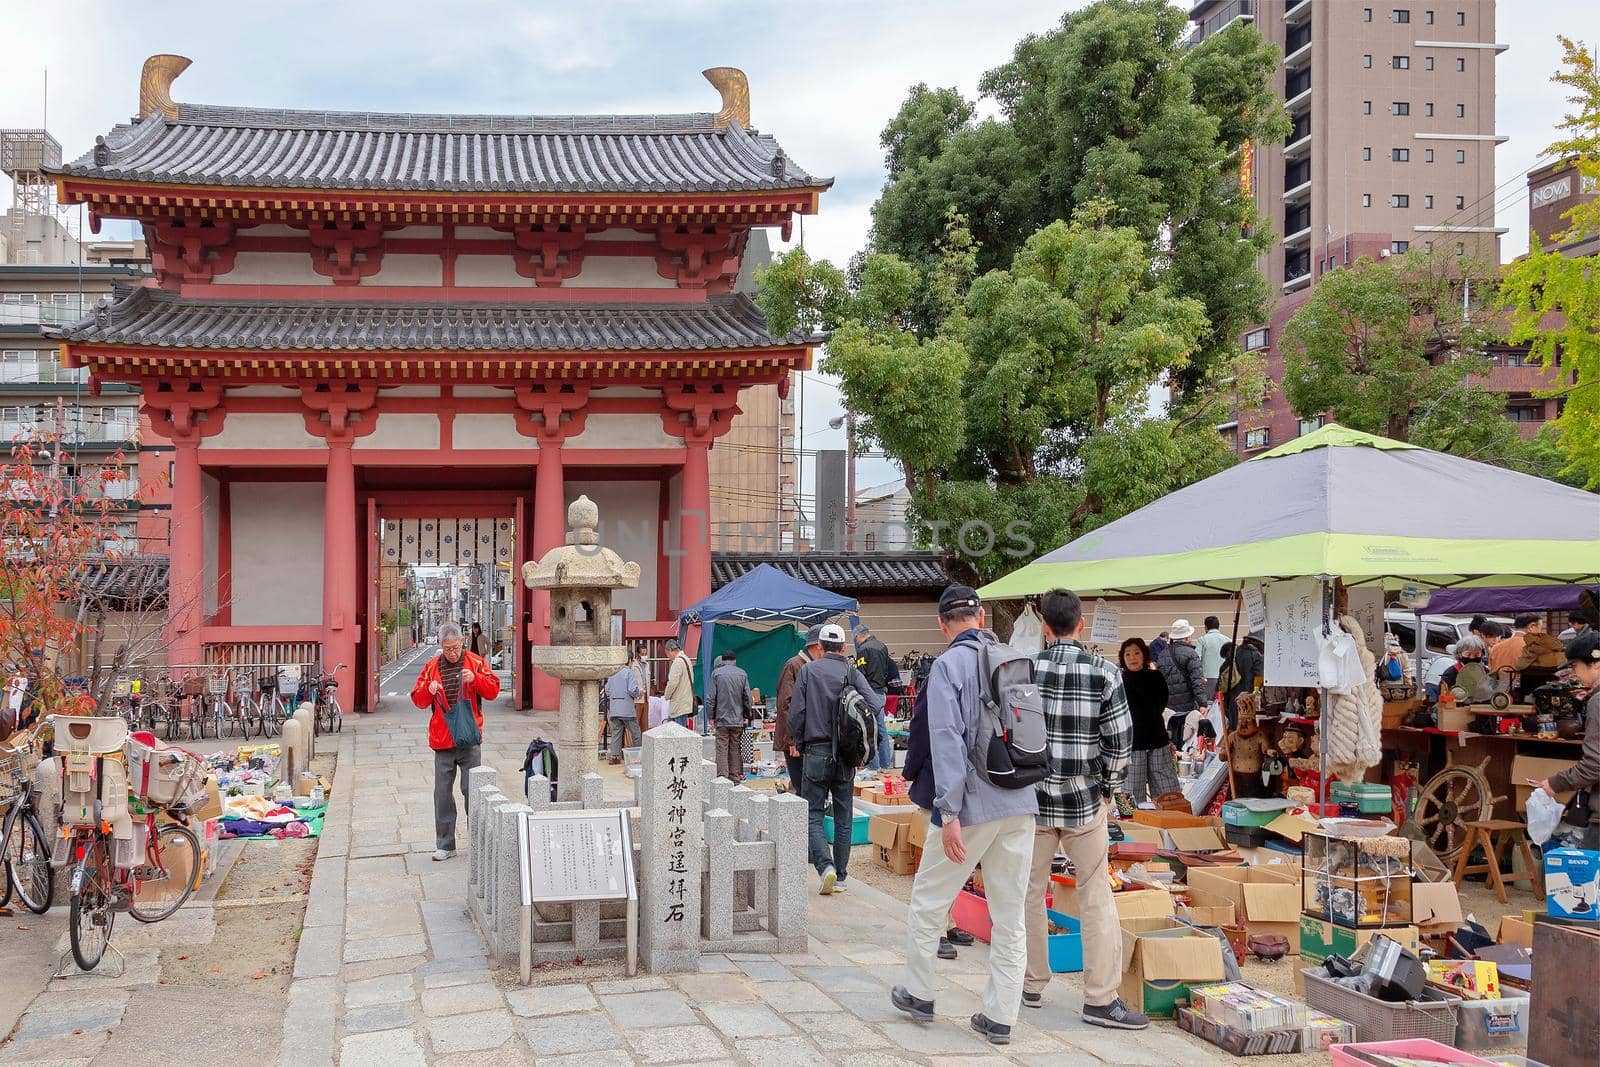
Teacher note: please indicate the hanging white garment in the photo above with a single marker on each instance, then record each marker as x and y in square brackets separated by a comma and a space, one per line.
[1027, 634]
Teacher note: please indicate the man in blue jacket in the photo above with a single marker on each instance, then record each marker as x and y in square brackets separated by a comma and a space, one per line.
[978, 823]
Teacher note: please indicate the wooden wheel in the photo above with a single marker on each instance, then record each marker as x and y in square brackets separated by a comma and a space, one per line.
[1451, 799]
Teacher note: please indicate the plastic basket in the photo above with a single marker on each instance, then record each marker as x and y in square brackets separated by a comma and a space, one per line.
[1433, 1017]
[217, 685]
[100, 735]
[164, 777]
[288, 681]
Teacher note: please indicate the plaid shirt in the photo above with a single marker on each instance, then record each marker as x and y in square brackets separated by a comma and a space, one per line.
[1089, 729]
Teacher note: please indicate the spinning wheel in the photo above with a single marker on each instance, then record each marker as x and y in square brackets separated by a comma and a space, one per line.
[1451, 799]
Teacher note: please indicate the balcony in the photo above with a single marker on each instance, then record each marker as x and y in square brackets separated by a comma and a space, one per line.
[1297, 46]
[1297, 181]
[27, 367]
[1298, 143]
[1296, 269]
[1297, 11]
[15, 313]
[79, 428]
[1219, 20]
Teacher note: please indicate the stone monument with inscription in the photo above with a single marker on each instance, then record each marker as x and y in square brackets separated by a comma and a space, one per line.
[580, 576]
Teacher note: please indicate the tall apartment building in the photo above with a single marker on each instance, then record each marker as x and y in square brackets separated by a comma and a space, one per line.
[1392, 148]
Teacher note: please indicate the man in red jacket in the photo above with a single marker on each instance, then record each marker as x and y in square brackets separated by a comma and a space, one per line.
[453, 684]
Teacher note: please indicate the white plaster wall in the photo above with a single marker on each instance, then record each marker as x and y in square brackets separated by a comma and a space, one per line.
[272, 268]
[488, 270]
[623, 272]
[257, 429]
[263, 390]
[277, 553]
[674, 502]
[626, 390]
[629, 518]
[415, 231]
[408, 270]
[481, 390]
[410, 390]
[275, 229]
[210, 524]
[621, 233]
[608, 430]
[479, 233]
[402, 430]
[478, 430]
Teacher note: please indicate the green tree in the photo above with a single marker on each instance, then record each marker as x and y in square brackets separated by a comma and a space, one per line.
[1554, 300]
[1109, 106]
[1397, 348]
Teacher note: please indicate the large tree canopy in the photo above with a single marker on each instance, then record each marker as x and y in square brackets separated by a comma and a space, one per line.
[1037, 279]
[1554, 300]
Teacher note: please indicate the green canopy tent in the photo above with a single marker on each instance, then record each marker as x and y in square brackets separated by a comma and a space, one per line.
[1335, 503]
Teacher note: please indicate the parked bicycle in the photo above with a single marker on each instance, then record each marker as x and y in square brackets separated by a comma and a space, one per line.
[244, 712]
[329, 717]
[150, 872]
[23, 844]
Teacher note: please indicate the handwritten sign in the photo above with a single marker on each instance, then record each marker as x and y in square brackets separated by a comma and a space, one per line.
[1255, 607]
[581, 855]
[1366, 607]
[1294, 631]
[1106, 628]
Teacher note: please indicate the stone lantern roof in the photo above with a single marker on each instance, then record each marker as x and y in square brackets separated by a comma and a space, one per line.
[583, 562]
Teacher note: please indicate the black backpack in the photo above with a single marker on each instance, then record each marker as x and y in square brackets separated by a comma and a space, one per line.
[541, 759]
[855, 734]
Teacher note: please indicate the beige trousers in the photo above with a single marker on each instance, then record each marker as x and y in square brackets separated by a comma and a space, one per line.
[1086, 847]
[1002, 847]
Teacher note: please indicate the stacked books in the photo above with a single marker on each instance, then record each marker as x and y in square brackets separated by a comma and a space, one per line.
[1245, 1007]
[1248, 1021]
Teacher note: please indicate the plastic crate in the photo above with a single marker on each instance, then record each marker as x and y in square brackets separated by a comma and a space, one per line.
[970, 912]
[1066, 950]
[1433, 1017]
[1425, 1050]
[1493, 1024]
[858, 828]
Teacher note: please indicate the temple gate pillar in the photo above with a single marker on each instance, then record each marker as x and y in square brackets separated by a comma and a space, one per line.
[339, 413]
[185, 413]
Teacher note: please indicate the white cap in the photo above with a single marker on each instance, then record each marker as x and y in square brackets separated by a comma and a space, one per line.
[1180, 629]
[832, 633]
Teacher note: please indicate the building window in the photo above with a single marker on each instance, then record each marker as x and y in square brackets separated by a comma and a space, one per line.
[1461, 203]
[1461, 18]
[1400, 200]
[1366, 61]
[1401, 62]
[1427, 202]
[1366, 154]
[1401, 15]
[1518, 412]
[1427, 109]
[1461, 64]
[1366, 107]
[1400, 107]
[1366, 14]
[1256, 340]
[1401, 155]
[1366, 199]
[1316, 422]
[1257, 438]
[1399, 247]
[1461, 111]
[1428, 247]
[1427, 155]
[1461, 248]
[1427, 62]
[1461, 155]
[1427, 16]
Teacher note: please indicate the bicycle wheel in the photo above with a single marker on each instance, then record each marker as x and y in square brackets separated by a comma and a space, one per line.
[335, 714]
[27, 862]
[172, 856]
[90, 916]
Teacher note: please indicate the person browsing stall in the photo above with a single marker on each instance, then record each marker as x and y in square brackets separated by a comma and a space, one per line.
[781, 741]
[1150, 771]
[728, 706]
[1583, 655]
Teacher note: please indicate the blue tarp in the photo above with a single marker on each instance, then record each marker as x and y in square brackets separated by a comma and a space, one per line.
[762, 594]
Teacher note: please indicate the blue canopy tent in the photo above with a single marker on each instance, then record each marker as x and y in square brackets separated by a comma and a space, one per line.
[762, 594]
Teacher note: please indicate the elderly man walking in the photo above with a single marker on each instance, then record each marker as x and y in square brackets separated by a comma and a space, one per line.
[728, 707]
[679, 689]
[454, 685]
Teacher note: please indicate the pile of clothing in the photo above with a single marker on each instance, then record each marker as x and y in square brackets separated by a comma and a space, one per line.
[253, 816]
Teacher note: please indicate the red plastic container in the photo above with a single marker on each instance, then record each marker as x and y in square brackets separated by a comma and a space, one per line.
[1420, 1047]
[971, 913]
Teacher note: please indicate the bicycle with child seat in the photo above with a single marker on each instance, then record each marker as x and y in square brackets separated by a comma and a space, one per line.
[24, 849]
[150, 888]
[329, 717]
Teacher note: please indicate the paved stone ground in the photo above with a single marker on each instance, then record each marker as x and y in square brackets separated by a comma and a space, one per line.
[391, 971]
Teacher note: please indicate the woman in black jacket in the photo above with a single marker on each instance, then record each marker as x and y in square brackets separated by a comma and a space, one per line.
[1146, 688]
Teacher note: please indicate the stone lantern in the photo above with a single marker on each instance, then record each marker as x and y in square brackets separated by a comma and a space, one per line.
[580, 576]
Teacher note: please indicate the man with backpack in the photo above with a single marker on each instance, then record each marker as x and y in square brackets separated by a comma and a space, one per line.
[831, 721]
[986, 742]
[1090, 731]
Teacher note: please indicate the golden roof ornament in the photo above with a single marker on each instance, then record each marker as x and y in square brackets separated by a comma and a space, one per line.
[155, 84]
[735, 90]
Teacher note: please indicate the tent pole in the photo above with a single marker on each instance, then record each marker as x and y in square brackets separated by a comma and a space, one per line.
[1322, 711]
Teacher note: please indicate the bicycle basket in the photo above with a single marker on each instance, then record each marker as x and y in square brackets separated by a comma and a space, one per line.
[168, 777]
[192, 687]
[288, 681]
[217, 685]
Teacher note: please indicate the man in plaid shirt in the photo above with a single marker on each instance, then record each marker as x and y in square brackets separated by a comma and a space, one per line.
[1090, 732]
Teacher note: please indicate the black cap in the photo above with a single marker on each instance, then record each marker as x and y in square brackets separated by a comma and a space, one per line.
[957, 597]
[814, 635]
[1585, 648]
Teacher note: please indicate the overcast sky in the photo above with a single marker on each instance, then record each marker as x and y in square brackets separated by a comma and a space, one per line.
[824, 76]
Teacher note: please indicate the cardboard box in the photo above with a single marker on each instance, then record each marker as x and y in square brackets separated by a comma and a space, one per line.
[1162, 959]
[1436, 907]
[1468, 979]
[1455, 719]
[211, 808]
[1265, 899]
[1144, 834]
[1293, 827]
[1209, 914]
[1537, 768]
[1166, 820]
[1318, 939]
[1142, 904]
[893, 800]
[890, 837]
[1195, 839]
[1572, 884]
[1515, 931]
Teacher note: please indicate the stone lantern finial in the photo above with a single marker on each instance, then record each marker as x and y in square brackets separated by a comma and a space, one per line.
[583, 521]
